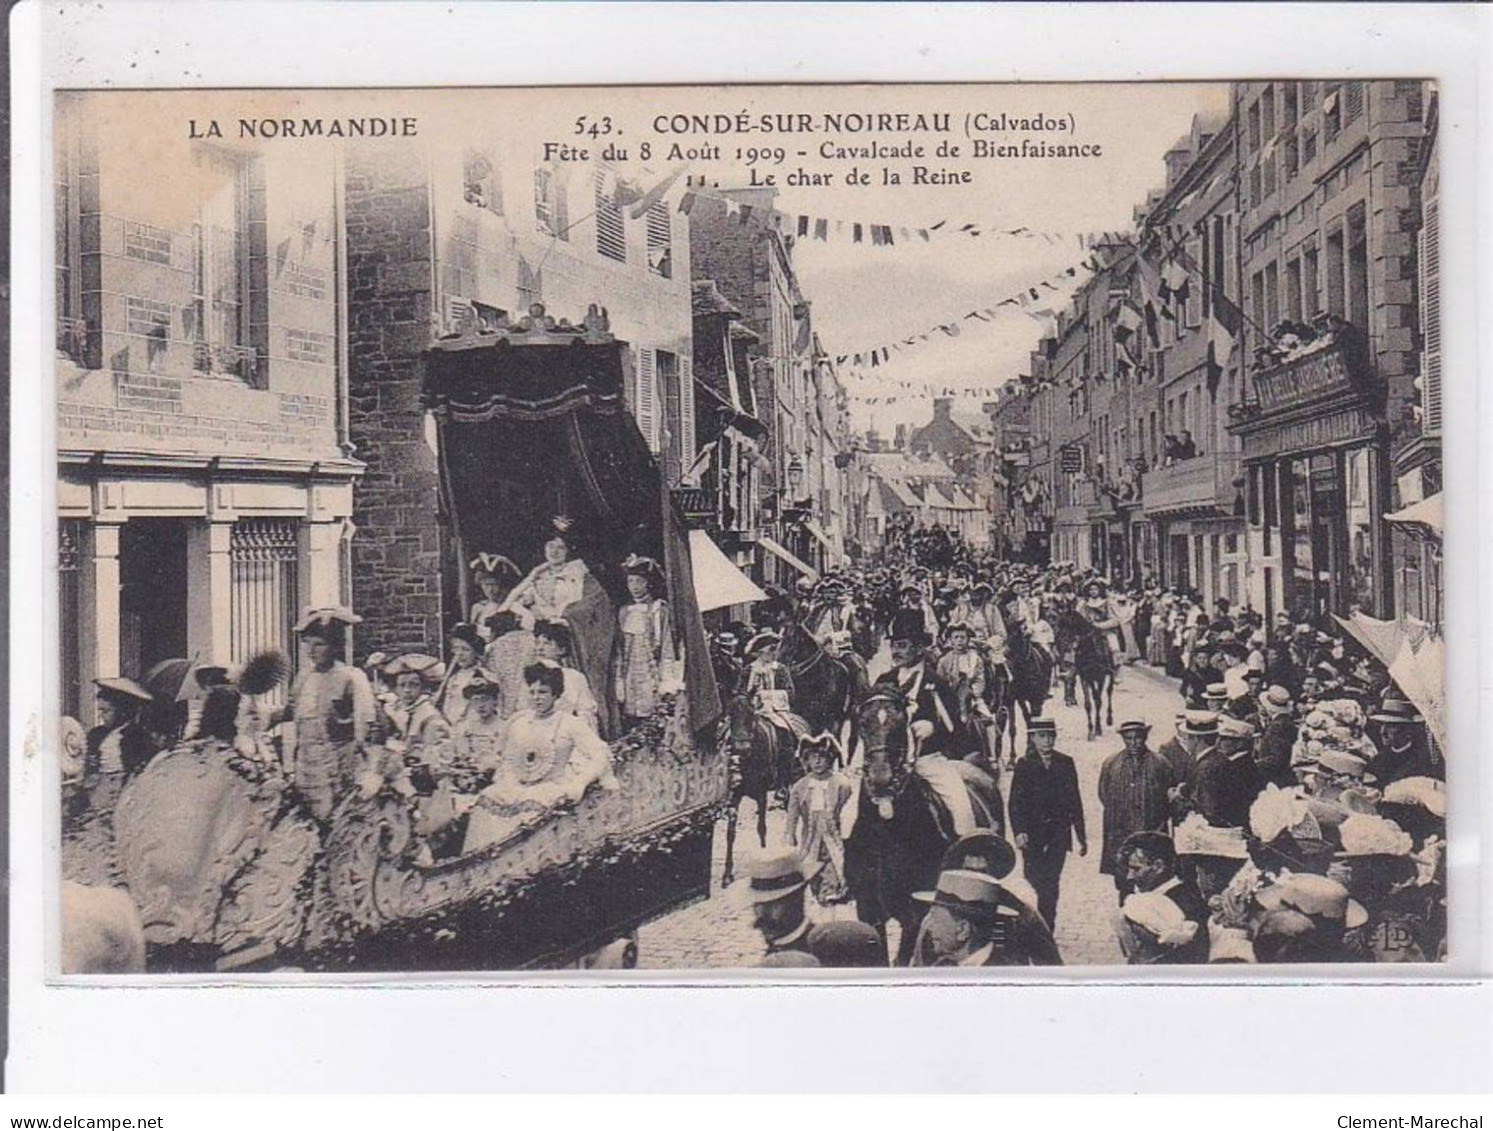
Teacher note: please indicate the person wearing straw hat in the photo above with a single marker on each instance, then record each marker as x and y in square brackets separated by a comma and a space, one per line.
[645, 653]
[1404, 749]
[972, 920]
[1277, 738]
[1133, 790]
[416, 722]
[333, 708]
[776, 885]
[118, 744]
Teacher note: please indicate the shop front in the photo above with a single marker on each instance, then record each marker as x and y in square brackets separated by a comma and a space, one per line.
[1315, 454]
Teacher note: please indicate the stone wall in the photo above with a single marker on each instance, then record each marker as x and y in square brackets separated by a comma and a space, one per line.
[396, 555]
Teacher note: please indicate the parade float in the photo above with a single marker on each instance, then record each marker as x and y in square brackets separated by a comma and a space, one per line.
[230, 872]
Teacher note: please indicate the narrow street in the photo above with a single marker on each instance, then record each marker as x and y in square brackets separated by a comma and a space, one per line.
[718, 931]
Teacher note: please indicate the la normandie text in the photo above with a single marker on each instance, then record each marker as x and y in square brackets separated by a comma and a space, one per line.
[245, 128]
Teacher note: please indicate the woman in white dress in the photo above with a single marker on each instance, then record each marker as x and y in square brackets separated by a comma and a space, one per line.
[465, 646]
[549, 758]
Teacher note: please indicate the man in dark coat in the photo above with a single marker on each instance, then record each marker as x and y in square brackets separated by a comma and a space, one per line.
[1046, 814]
[1133, 788]
[1221, 783]
[1277, 738]
[930, 704]
[1175, 754]
[1404, 749]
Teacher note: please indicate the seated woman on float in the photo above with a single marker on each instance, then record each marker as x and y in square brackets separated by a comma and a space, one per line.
[547, 758]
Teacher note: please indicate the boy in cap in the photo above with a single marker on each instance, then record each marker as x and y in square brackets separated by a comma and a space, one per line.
[1046, 814]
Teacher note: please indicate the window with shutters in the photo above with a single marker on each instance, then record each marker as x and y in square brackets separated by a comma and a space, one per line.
[217, 317]
[1272, 297]
[1196, 285]
[1332, 110]
[666, 372]
[1268, 168]
[1290, 158]
[1335, 279]
[1288, 105]
[1267, 114]
[1358, 268]
[1309, 283]
[660, 240]
[1352, 94]
[645, 398]
[551, 208]
[1308, 144]
[611, 234]
[1293, 290]
[1254, 126]
[263, 596]
[1430, 318]
[480, 182]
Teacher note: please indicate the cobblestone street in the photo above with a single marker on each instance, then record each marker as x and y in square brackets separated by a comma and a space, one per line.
[718, 932]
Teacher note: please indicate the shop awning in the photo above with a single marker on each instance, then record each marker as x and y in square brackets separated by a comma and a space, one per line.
[1425, 514]
[779, 552]
[819, 535]
[718, 583]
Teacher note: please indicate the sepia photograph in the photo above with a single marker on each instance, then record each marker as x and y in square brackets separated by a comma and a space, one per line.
[846, 527]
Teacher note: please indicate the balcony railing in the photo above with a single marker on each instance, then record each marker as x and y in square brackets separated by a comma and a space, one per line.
[1201, 485]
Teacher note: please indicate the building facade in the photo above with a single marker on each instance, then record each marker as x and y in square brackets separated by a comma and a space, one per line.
[205, 481]
[1328, 173]
[437, 239]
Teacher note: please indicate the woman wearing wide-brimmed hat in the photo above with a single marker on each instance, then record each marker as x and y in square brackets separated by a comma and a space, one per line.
[645, 641]
[118, 744]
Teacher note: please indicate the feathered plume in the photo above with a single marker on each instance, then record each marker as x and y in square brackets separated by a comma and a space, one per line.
[263, 672]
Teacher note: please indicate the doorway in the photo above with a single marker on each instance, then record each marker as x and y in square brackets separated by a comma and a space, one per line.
[152, 593]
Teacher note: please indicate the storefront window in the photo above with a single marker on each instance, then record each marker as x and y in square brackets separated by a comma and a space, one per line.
[1359, 468]
[1296, 542]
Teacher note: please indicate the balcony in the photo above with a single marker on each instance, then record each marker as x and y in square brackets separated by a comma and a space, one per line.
[1203, 485]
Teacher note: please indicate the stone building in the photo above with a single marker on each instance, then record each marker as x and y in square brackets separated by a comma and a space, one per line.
[1328, 173]
[436, 239]
[738, 242]
[1192, 489]
[205, 483]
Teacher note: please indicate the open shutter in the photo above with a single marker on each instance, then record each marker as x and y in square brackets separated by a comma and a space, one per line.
[646, 402]
[1430, 321]
[686, 412]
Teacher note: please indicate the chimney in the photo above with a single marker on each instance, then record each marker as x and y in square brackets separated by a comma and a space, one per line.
[899, 443]
[942, 407]
[873, 439]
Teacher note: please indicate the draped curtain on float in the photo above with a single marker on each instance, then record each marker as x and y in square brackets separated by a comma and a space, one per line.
[530, 431]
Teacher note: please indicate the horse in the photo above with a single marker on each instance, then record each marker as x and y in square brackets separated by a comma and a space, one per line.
[1067, 671]
[907, 814]
[1030, 680]
[825, 688]
[1095, 666]
[760, 757]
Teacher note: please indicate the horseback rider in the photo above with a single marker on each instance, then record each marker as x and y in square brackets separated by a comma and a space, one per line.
[963, 669]
[1098, 609]
[930, 705]
[770, 684]
[835, 626]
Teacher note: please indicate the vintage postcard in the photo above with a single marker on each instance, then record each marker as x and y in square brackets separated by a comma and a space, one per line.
[706, 528]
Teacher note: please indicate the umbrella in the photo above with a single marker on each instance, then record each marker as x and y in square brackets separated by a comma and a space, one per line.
[173, 681]
[1420, 672]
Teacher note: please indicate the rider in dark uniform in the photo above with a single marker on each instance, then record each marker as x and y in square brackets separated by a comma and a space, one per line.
[931, 705]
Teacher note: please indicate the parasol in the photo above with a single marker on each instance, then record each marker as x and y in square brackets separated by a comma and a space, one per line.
[174, 680]
[1420, 672]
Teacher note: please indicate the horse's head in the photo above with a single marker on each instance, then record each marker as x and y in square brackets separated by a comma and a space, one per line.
[884, 735]
[741, 722]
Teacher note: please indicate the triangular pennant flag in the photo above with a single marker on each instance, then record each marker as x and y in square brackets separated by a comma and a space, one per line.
[905, 237]
[875, 359]
[1006, 302]
[887, 234]
[821, 229]
[938, 225]
[923, 234]
[1034, 294]
[803, 226]
[855, 233]
[656, 193]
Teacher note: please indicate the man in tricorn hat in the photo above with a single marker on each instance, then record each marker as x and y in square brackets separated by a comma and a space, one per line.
[1133, 788]
[333, 707]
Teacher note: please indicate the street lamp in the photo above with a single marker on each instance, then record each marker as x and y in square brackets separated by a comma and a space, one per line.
[795, 476]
